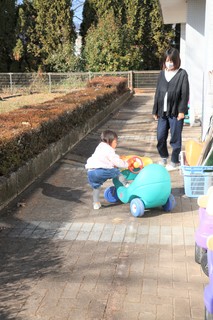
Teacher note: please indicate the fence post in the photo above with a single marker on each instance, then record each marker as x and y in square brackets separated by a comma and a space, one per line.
[50, 84]
[11, 83]
[130, 80]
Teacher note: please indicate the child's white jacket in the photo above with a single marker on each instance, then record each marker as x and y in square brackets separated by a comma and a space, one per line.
[105, 157]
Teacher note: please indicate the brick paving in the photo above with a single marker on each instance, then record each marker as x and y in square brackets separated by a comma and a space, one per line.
[60, 259]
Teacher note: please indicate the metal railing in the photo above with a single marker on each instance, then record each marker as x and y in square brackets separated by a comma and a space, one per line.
[25, 83]
[145, 79]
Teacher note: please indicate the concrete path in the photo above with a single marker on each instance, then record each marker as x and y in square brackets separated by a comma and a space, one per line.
[62, 260]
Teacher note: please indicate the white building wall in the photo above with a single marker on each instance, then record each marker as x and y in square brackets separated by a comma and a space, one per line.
[196, 51]
[194, 55]
[208, 67]
[183, 45]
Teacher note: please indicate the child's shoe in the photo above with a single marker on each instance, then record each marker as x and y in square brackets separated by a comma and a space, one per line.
[96, 205]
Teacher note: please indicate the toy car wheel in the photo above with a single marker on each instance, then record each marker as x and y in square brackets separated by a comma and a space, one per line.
[170, 204]
[199, 252]
[137, 207]
[204, 264]
[110, 194]
[208, 315]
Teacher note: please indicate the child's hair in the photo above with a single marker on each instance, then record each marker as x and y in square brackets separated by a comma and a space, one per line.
[108, 136]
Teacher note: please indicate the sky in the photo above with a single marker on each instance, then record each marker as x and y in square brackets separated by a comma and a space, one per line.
[78, 12]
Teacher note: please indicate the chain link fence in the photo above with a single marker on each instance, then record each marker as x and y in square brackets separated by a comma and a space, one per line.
[27, 83]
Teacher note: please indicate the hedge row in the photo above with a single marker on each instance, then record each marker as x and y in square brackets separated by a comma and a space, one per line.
[27, 131]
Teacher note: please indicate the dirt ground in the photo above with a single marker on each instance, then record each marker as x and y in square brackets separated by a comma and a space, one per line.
[15, 102]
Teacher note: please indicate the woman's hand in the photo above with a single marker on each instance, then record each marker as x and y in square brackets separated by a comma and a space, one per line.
[155, 116]
[180, 116]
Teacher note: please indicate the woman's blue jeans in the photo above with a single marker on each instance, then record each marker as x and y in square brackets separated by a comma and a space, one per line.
[175, 126]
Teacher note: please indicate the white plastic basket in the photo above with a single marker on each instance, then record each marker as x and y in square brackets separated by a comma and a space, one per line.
[197, 179]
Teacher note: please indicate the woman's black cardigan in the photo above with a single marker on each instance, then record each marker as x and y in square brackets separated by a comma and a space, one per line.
[178, 94]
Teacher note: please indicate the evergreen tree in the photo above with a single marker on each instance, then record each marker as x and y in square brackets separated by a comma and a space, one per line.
[143, 35]
[94, 10]
[103, 47]
[25, 28]
[7, 33]
[89, 16]
[46, 35]
[135, 23]
[128, 53]
[161, 36]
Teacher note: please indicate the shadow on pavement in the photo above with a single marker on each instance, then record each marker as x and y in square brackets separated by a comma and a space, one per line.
[24, 261]
[62, 193]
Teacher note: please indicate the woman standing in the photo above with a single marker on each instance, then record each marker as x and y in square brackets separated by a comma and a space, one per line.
[170, 107]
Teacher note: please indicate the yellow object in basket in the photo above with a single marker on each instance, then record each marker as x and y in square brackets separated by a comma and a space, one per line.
[193, 151]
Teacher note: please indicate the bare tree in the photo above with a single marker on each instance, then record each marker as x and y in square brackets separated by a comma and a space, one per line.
[77, 8]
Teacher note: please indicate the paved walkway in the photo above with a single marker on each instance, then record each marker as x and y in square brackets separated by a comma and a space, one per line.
[62, 260]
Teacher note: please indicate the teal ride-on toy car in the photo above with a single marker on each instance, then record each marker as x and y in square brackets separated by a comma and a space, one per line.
[150, 188]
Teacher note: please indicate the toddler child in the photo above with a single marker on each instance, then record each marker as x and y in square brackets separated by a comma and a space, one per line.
[104, 164]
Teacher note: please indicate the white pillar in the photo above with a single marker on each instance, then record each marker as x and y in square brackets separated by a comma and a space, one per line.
[183, 45]
[194, 57]
[208, 68]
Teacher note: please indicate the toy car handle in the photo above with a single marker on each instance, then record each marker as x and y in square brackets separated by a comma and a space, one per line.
[135, 163]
